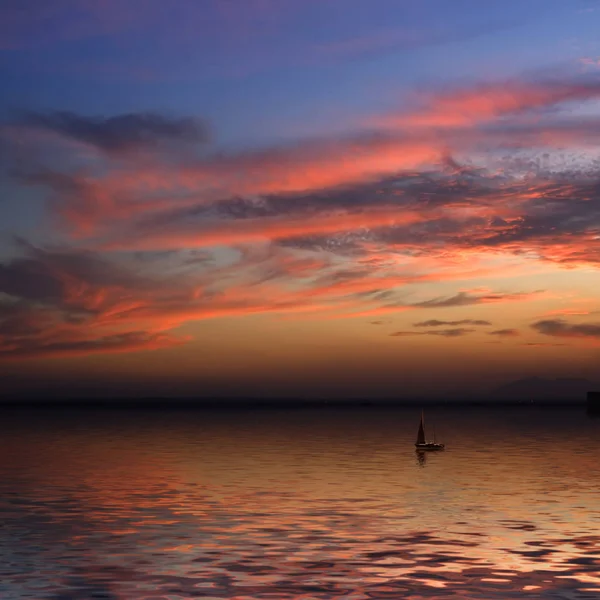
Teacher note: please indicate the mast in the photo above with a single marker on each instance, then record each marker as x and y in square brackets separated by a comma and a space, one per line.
[421, 433]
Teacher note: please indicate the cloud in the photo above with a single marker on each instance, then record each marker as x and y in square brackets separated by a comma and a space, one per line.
[541, 345]
[512, 201]
[484, 102]
[460, 299]
[436, 323]
[73, 302]
[558, 221]
[78, 280]
[217, 232]
[466, 299]
[174, 192]
[346, 227]
[76, 301]
[121, 133]
[568, 312]
[134, 341]
[457, 332]
[18, 320]
[448, 333]
[505, 332]
[562, 328]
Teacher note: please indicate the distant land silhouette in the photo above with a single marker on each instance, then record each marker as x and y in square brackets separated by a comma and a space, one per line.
[547, 392]
[537, 388]
[270, 403]
[593, 404]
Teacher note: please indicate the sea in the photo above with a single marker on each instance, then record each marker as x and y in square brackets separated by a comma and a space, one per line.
[299, 504]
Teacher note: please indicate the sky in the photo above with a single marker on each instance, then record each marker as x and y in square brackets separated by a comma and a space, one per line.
[319, 198]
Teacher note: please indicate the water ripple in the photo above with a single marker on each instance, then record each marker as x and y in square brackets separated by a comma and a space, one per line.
[284, 508]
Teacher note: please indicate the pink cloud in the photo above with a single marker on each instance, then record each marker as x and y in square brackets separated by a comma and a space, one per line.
[471, 106]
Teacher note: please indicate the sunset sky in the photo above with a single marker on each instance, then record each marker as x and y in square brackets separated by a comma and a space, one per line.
[298, 197]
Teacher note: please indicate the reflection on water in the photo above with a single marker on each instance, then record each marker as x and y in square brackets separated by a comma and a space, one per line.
[311, 505]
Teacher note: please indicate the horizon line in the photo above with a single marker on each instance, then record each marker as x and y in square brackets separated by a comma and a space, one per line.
[278, 403]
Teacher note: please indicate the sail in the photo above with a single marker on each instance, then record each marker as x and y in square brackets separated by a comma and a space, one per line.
[421, 434]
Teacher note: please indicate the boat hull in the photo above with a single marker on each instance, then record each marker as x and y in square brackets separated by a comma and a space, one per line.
[429, 447]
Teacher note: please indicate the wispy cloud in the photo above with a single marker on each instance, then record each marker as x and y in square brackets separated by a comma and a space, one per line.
[436, 323]
[541, 345]
[217, 232]
[505, 332]
[133, 341]
[121, 133]
[467, 299]
[487, 102]
[447, 333]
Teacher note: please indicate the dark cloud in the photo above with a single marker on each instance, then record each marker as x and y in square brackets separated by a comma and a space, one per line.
[465, 299]
[561, 328]
[375, 294]
[60, 183]
[73, 302]
[349, 244]
[123, 342]
[62, 277]
[436, 323]
[505, 332]
[422, 191]
[29, 279]
[355, 197]
[559, 222]
[120, 133]
[449, 333]
[342, 275]
[457, 332]
[18, 320]
[406, 333]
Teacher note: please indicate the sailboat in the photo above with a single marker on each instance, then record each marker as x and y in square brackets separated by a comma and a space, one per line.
[421, 443]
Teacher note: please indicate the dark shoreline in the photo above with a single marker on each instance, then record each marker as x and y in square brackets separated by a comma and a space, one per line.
[192, 404]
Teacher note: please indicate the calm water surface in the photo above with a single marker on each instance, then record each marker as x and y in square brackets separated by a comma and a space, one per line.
[313, 504]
